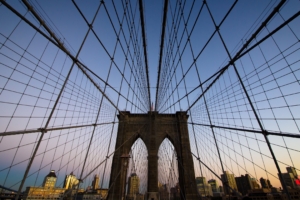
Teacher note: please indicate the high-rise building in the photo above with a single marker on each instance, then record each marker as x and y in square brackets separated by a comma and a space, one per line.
[175, 192]
[230, 180]
[95, 183]
[265, 183]
[71, 182]
[50, 180]
[133, 184]
[221, 188]
[269, 183]
[292, 170]
[204, 189]
[214, 185]
[244, 184]
[255, 184]
[200, 180]
[290, 178]
[47, 191]
[163, 191]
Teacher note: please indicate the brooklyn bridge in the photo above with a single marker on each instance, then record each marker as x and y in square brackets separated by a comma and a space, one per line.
[133, 99]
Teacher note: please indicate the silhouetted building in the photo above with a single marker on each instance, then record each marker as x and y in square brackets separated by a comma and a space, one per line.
[95, 183]
[265, 183]
[221, 188]
[163, 191]
[214, 185]
[200, 180]
[260, 194]
[292, 170]
[255, 184]
[244, 184]
[175, 192]
[133, 184]
[71, 182]
[290, 178]
[269, 183]
[92, 194]
[230, 180]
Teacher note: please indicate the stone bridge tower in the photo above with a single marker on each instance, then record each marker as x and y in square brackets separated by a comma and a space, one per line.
[153, 128]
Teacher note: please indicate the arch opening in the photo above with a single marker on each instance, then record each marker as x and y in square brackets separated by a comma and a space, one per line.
[137, 173]
[168, 175]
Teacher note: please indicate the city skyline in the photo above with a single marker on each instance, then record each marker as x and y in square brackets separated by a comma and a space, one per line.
[68, 69]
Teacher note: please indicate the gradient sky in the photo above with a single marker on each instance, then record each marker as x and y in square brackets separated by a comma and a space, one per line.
[70, 27]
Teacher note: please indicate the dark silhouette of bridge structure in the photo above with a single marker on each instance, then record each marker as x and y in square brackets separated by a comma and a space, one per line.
[168, 91]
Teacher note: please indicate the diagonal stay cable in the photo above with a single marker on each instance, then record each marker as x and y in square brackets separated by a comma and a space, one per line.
[57, 43]
[145, 48]
[238, 54]
[161, 49]
[109, 155]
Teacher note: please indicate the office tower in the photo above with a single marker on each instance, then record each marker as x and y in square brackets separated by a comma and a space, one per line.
[50, 180]
[214, 185]
[290, 178]
[269, 183]
[200, 180]
[230, 180]
[71, 181]
[292, 170]
[255, 185]
[265, 183]
[133, 184]
[95, 183]
[47, 191]
[203, 188]
[244, 184]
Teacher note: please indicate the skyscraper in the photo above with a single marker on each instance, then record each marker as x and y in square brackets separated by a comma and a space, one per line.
[255, 184]
[229, 178]
[71, 181]
[95, 183]
[265, 183]
[203, 188]
[133, 184]
[292, 170]
[47, 191]
[290, 177]
[50, 180]
[214, 185]
[244, 183]
[200, 180]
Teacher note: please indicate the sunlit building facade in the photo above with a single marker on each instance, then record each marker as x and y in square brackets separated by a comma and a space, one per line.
[229, 178]
[133, 184]
[214, 185]
[71, 182]
[203, 187]
[47, 191]
[95, 183]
